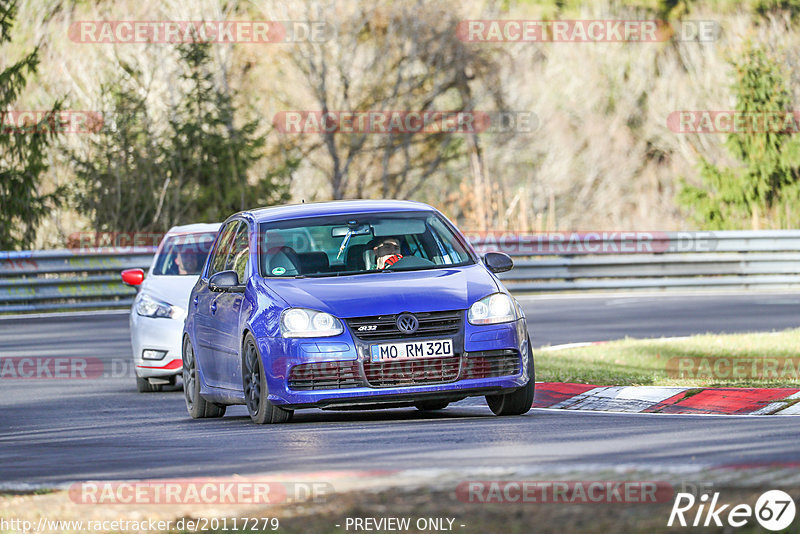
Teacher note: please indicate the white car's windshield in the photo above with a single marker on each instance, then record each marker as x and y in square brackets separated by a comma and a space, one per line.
[183, 254]
[358, 243]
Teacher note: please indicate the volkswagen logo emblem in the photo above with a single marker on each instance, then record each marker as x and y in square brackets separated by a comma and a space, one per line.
[407, 323]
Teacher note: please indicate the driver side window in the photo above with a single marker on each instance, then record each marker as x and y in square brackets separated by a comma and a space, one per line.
[223, 247]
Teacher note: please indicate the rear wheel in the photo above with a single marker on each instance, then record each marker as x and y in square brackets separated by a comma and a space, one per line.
[144, 385]
[198, 407]
[256, 394]
[519, 401]
[431, 405]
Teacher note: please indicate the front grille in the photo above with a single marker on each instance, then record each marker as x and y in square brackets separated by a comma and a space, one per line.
[412, 372]
[490, 364]
[325, 375]
[441, 323]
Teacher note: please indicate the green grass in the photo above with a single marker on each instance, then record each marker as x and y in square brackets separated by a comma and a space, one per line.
[734, 360]
[38, 491]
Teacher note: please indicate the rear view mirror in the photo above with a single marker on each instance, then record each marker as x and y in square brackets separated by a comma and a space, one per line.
[225, 281]
[497, 262]
[395, 227]
[341, 231]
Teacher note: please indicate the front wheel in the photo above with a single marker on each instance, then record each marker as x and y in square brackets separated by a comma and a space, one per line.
[198, 407]
[519, 401]
[256, 394]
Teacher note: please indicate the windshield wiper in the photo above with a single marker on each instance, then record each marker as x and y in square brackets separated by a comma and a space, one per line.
[338, 273]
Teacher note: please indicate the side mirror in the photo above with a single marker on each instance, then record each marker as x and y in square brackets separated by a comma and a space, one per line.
[225, 281]
[133, 277]
[497, 262]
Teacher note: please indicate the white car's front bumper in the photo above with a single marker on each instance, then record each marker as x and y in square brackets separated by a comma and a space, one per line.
[160, 334]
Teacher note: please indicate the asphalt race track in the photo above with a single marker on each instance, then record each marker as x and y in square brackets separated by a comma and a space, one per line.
[57, 431]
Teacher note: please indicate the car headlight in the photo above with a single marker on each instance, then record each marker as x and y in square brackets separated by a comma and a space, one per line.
[147, 306]
[302, 322]
[496, 308]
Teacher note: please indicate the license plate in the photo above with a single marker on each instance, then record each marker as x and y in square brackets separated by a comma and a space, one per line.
[389, 352]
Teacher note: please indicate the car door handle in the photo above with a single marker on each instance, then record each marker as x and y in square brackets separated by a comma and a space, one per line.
[214, 307]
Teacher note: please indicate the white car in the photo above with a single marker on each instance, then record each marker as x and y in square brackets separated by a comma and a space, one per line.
[159, 309]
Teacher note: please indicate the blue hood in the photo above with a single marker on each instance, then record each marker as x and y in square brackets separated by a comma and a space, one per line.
[388, 293]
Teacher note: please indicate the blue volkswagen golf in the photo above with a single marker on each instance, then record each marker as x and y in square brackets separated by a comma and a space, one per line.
[351, 305]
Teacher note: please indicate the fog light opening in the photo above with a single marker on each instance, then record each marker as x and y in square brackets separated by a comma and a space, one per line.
[150, 354]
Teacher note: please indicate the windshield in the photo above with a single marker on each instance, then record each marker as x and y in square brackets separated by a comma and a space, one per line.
[183, 254]
[355, 244]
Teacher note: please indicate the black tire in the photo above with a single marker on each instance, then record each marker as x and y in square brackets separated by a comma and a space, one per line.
[254, 379]
[198, 407]
[517, 402]
[431, 405]
[144, 385]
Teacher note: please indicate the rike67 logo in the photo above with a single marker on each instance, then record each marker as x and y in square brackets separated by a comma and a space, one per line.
[774, 510]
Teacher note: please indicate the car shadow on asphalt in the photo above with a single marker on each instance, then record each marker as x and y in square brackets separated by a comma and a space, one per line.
[314, 416]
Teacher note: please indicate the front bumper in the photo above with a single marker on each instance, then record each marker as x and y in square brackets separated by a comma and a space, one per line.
[162, 334]
[350, 380]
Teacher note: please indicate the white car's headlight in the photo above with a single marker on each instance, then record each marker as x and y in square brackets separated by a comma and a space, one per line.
[147, 306]
[496, 308]
[302, 322]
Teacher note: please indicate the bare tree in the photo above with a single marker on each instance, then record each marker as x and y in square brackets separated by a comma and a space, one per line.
[392, 57]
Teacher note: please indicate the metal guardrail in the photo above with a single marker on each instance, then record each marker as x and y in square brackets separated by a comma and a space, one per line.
[56, 280]
[75, 279]
[650, 260]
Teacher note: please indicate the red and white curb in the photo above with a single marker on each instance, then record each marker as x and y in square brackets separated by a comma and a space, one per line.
[668, 400]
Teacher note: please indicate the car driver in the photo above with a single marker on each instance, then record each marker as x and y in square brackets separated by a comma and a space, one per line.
[188, 261]
[387, 252]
